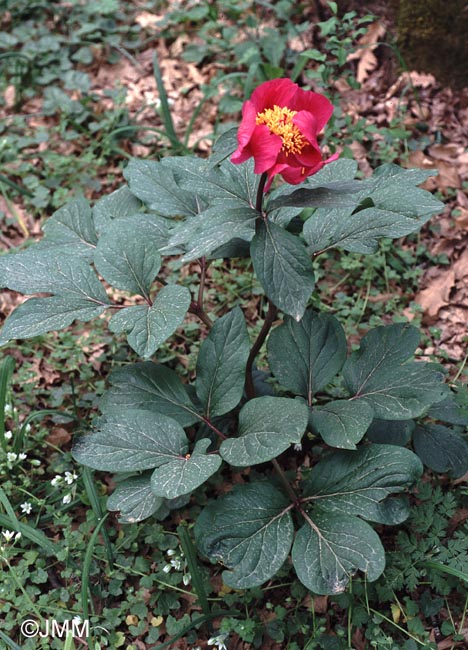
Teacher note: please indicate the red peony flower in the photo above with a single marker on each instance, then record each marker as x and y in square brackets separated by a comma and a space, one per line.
[279, 128]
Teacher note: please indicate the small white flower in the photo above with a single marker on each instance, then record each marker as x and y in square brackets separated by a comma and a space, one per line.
[23, 456]
[70, 478]
[218, 641]
[56, 480]
[67, 498]
[11, 457]
[186, 579]
[171, 552]
[8, 435]
[27, 428]
[177, 564]
[167, 568]
[17, 536]
[78, 619]
[26, 507]
[8, 410]
[8, 535]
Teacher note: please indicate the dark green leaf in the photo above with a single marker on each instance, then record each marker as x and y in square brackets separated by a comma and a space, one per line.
[221, 364]
[267, 427]
[335, 195]
[355, 482]
[224, 146]
[72, 225]
[341, 423]
[453, 410]
[134, 499]
[249, 530]
[152, 387]
[283, 267]
[127, 256]
[213, 228]
[37, 316]
[148, 327]
[155, 185]
[391, 432]
[441, 449]
[184, 474]
[395, 390]
[130, 440]
[121, 203]
[306, 355]
[331, 547]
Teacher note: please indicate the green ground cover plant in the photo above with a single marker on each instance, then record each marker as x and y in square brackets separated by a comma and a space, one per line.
[134, 579]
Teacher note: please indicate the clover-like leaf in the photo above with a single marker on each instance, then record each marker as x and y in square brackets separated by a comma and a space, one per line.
[132, 440]
[152, 387]
[355, 482]
[306, 355]
[331, 547]
[283, 268]
[221, 364]
[249, 530]
[267, 427]
[341, 423]
[185, 473]
[147, 327]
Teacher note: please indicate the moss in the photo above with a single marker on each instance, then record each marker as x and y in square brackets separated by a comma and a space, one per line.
[432, 37]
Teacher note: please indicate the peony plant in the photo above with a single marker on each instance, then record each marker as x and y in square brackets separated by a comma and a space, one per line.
[331, 438]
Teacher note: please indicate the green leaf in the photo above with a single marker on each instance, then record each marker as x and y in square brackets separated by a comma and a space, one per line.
[358, 233]
[306, 355]
[454, 409]
[183, 475]
[135, 499]
[131, 440]
[355, 482]
[71, 226]
[341, 423]
[283, 267]
[121, 203]
[151, 387]
[267, 427]
[441, 449]
[214, 227]
[127, 256]
[221, 364]
[395, 390]
[147, 327]
[334, 195]
[331, 547]
[224, 146]
[155, 185]
[391, 432]
[37, 316]
[249, 530]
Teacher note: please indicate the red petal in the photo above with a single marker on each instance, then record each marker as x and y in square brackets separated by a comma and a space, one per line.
[277, 92]
[307, 124]
[320, 107]
[265, 147]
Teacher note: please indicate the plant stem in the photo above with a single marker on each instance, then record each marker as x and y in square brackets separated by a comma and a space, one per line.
[197, 307]
[261, 186]
[285, 482]
[266, 327]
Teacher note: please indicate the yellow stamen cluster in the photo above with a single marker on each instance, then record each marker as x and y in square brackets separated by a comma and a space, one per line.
[279, 120]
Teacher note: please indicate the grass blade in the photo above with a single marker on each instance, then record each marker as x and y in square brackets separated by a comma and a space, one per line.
[165, 110]
[197, 578]
[90, 487]
[10, 644]
[6, 370]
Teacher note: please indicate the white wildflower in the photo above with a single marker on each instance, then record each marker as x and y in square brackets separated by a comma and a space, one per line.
[167, 568]
[218, 641]
[17, 536]
[70, 478]
[8, 535]
[27, 428]
[8, 434]
[56, 480]
[26, 507]
[186, 579]
[8, 410]
[11, 457]
[23, 456]
[171, 552]
[67, 498]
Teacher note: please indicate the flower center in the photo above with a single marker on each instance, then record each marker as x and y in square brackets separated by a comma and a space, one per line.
[279, 120]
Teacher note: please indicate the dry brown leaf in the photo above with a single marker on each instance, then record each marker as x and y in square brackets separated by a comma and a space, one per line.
[59, 437]
[365, 54]
[460, 267]
[437, 294]
[147, 19]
